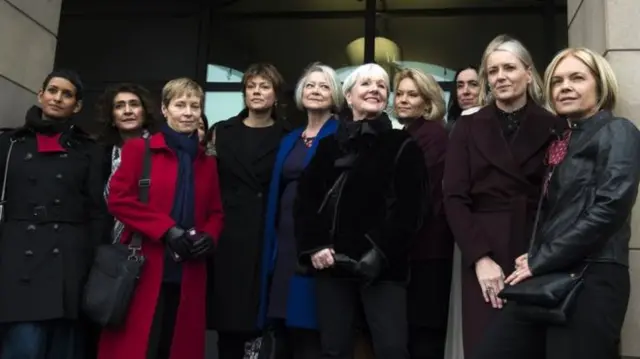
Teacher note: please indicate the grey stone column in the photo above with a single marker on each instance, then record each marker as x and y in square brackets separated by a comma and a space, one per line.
[28, 37]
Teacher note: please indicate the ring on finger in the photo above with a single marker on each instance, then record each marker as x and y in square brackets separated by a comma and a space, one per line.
[489, 290]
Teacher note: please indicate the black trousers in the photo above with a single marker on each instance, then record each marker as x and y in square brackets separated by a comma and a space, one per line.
[385, 310]
[296, 343]
[164, 322]
[592, 332]
[428, 307]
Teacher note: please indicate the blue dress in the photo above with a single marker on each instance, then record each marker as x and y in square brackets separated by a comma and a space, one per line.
[286, 260]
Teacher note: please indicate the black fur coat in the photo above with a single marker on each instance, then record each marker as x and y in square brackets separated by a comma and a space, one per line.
[382, 199]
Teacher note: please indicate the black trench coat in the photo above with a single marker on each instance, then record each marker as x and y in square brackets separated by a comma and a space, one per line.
[234, 275]
[55, 215]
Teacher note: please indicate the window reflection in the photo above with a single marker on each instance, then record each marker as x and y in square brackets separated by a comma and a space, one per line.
[223, 74]
[220, 105]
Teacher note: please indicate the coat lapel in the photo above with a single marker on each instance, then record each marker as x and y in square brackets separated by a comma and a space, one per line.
[534, 133]
[492, 144]
[536, 130]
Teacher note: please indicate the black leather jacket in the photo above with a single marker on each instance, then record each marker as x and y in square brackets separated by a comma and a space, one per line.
[587, 210]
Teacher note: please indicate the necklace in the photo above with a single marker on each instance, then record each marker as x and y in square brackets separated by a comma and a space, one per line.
[308, 141]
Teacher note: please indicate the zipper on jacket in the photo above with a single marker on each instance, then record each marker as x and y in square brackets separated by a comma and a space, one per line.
[534, 232]
[336, 206]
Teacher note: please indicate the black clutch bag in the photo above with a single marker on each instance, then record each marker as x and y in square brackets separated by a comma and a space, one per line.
[116, 269]
[368, 268]
[547, 298]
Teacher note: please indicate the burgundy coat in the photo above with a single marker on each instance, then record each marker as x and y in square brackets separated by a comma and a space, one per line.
[434, 241]
[153, 220]
[491, 189]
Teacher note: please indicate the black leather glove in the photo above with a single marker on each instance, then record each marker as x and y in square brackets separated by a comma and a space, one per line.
[202, 244]
[177, 242]
[370, 265]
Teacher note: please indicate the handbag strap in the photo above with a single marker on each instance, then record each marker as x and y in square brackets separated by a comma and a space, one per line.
[6, 172]
[4, 180]
[144, 183]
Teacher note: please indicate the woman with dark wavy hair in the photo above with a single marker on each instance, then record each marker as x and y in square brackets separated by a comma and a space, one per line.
[466, 94]
[126, 111]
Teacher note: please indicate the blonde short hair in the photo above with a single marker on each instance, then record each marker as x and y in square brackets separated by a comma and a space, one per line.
[606, 82]
[365, 71]
[332, 80]
[429, 89]
[180, 87]
[509, 44]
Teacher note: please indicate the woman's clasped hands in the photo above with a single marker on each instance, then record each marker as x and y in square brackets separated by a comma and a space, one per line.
[323, 258]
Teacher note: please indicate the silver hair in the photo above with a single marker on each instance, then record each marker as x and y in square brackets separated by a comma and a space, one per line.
[365, 71]
[332, 80]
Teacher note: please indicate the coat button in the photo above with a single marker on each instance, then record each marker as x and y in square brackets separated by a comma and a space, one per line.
[59, 176]
[28, 253]
[25, 279]
[56, 227]
[56, 251]
[32, 179]
[31, 228]
[56, 201]
[28, 156]
[260, 195]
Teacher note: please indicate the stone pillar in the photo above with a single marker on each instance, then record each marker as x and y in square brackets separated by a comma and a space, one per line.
[28, 37]
[611, 27]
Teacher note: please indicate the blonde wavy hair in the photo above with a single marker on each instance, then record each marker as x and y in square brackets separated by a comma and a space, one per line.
[429, 89]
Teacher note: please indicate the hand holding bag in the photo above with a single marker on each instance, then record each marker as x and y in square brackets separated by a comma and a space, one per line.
[117, 267]
[547, 291]
[547, 298]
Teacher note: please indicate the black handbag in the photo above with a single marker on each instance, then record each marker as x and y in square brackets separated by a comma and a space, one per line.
[116, 268]
[548, 298]
[545, 299]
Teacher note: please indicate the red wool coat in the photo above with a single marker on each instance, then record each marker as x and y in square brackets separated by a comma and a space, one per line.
[153, 220]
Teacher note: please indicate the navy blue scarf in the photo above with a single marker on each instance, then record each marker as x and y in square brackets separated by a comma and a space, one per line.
[185, 146]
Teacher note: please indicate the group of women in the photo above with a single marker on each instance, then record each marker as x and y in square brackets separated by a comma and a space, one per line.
[345, 225]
